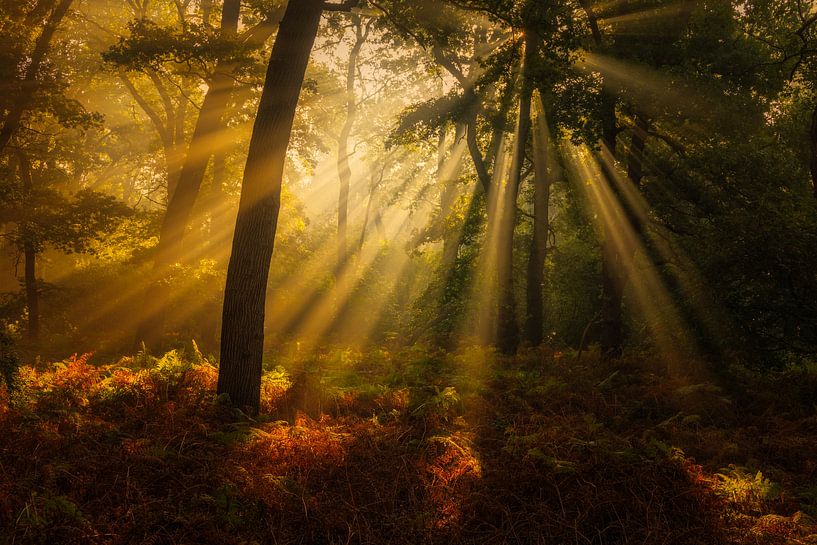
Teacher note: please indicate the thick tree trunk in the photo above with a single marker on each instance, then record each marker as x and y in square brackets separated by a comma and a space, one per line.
[535, 316]
[28, 87]
[182, 196]
[242, 333]
[507, 326]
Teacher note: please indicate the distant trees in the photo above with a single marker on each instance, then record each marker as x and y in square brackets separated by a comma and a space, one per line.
[43, 217]
[26, 77]
[41, 149]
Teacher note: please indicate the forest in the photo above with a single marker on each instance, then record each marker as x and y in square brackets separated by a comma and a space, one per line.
[408, 272]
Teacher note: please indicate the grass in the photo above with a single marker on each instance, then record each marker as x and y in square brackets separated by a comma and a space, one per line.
[413, 446]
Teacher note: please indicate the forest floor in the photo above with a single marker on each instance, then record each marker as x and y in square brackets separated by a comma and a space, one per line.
[409, 447]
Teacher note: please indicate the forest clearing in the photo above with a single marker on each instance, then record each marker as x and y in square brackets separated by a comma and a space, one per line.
[408, 271]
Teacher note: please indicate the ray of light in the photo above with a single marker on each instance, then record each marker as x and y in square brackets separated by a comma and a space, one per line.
[643, 21]
[480, 316]
[652, 300]
[657, 92]
[321, 317]
[685, 274]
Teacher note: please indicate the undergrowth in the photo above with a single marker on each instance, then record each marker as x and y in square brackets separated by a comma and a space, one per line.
[409, 446]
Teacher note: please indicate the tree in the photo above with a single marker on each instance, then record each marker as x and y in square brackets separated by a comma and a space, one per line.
[176, 56]
[543, 167]
[26, 84]
[344, 170]
[44, 217]
[242, 334]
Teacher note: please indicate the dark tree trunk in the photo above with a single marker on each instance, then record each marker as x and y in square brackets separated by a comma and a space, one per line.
[535, 317]
[507, 326]
[242, 333]
[813, 150]
[483, 175]
[611, 335]
[635, 155]
[32, 294]
[612, 331]
[30, 257]
[203, 144]
[448, 193]
[28, 87]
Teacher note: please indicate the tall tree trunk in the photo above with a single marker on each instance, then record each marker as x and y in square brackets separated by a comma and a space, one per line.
[613, 277]
[221, 220]
[32, 293]
[344, 170]
[28, 88]
[535, 315]
[507, 327]
[30, 257]
[813, 150]
[182, 197]
[611, 336]
[448, 194]
[242, 333]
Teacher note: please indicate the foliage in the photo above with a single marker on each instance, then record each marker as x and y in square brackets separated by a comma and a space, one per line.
[537, 439]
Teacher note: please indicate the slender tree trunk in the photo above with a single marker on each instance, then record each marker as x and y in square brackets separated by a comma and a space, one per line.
[635, 155]
[507, 326]
[535, 316]
[372, 188]
[183, 194]
[32, 293]
[221, 220]
[242, 333]
[613, 276]
[611, 336]
[813, 150]
[448, 194]
[30, 257]
[344, 170]
[28, 88]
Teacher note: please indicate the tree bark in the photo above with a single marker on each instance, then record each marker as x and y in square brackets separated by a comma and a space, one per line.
[30, 257]
[28, 88]
[507, 326]
[535, 315]
[242, 334]
[203, 144]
